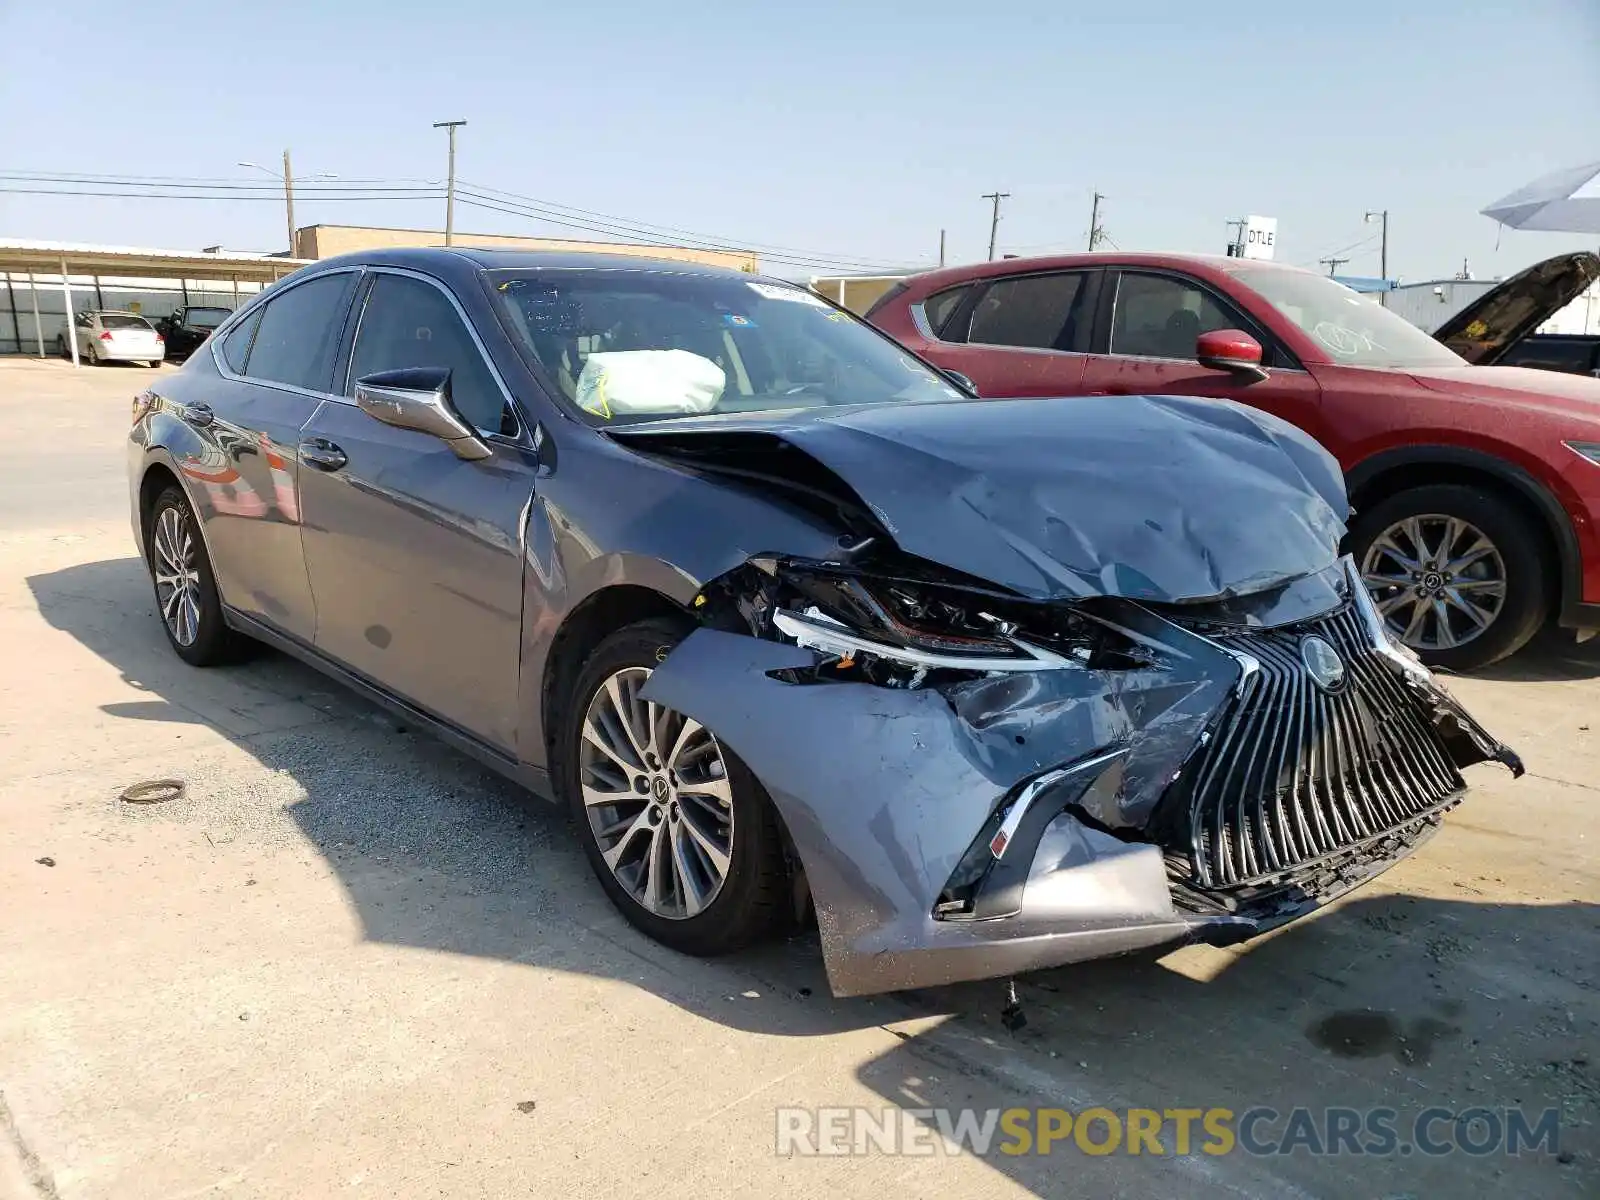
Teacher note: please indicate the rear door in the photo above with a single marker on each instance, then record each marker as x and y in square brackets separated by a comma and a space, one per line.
[414, 554]
[1022, 335]
[276, 367]
[1145, 334]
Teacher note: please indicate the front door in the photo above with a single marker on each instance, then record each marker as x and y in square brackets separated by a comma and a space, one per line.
[276, 368]
[414, 554]
[1155, 321]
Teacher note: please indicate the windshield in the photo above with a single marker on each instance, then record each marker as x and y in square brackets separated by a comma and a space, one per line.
[1353, 330]
[122, 321]
[636, 345]
[206, 318]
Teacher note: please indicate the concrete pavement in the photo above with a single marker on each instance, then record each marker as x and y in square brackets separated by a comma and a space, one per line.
[349, 961]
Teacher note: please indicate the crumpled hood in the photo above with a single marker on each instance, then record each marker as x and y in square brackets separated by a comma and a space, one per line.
[1158, 498]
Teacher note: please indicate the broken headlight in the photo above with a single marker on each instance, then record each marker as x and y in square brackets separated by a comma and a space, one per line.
[898, 632]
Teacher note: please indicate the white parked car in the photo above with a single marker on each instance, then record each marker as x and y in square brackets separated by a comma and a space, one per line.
[114, 337]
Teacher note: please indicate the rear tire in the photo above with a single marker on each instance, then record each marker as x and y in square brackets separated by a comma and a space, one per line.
[748, 903]
[176, 557]
[1489, 557]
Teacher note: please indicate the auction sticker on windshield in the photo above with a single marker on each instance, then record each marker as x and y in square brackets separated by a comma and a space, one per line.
[773, 291]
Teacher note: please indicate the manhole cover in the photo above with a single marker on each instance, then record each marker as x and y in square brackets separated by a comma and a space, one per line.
[154, 791]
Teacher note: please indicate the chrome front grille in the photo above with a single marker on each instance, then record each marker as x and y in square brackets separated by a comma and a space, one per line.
[1295, 773]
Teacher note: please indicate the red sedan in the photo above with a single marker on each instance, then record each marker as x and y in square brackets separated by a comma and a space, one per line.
[1476, 487]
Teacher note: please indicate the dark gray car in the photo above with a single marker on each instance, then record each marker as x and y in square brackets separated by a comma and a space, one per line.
[790, 621]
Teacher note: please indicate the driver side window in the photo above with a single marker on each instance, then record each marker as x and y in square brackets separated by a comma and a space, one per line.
[409, 323]
[1158, 316]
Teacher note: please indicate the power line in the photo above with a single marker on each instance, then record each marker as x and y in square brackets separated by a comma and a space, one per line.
[475, 200]
[634, 224]
[277, 199]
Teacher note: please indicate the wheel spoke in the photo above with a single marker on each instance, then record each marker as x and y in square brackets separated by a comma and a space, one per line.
[716, 856]
[718, 788]
[655, 867]
[593, 796]
[1412, 528]
[1494, 588]
[1376, 579]
[1454, 529]
[688, 731]
[1480, 617]
[1392, 603]
[597, 738]
[624, 713]
[1445, 637]
[683, 872]
[613, 856]
[1484, 549]
[1413, 632]
[1387, 547]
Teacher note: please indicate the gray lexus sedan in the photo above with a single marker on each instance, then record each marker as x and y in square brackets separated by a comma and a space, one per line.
[790, 621]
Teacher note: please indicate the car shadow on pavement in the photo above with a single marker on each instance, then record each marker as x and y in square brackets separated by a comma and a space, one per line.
[1407, 1001]
[1553, 655]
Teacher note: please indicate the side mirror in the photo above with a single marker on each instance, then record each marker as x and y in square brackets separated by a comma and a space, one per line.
[962, 382]
[1231, 350]
[419, 398]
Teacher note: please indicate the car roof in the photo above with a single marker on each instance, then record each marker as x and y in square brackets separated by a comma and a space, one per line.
[931, 281]
[486, 259]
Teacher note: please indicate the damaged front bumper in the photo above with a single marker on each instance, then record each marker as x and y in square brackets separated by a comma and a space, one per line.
[1216, 784]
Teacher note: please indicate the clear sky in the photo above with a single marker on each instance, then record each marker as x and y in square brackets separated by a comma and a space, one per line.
[843, 129]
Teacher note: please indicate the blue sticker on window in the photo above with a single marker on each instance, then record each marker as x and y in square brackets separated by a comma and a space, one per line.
[737, 321]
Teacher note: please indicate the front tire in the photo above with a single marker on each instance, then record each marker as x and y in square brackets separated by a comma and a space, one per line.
[679, 832]
[186, 590]
[1459, 574]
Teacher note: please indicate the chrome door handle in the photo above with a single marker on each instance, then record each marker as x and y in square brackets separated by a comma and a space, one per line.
[197, 414]
[322, 454]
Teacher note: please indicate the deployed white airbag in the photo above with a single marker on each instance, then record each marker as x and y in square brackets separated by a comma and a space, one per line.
[620, 382]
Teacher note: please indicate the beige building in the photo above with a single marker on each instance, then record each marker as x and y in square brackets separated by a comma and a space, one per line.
[326, 241]
[855, 292]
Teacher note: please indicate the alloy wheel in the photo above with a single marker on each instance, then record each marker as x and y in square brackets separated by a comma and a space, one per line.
[175, 566]
[1439, 581]
[656, 792]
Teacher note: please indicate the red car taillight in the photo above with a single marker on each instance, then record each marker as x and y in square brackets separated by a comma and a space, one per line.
[161, 338]
[106, 336]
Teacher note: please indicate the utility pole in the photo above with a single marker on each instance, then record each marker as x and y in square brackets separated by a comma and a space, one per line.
[1096, 230]
[941, 247]
[1333, 264]
[288, 199]
[994, 222]
[450, 187]
[1236, 239]
[1383, 253]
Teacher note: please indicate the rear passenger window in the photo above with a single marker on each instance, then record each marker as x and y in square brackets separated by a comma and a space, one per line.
[236, 346]
[1035, 312]
[939, 307]
[409, 323]
[298, 333]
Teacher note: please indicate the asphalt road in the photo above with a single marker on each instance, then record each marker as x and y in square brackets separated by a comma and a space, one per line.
[350, 961]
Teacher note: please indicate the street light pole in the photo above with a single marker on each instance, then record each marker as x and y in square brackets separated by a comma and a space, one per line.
[450, 187]
[288, 189]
